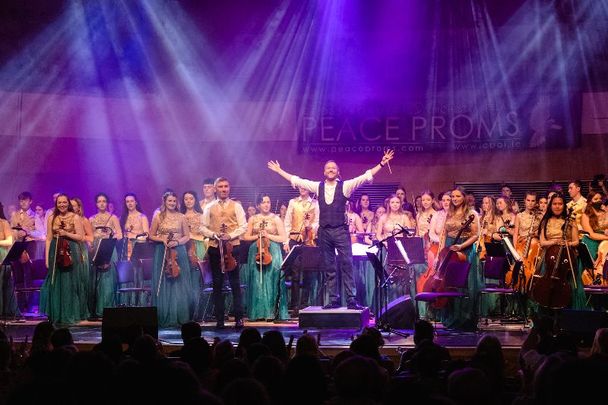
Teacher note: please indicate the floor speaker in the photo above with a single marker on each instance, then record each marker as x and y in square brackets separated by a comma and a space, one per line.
[399, 314]
[582, 324]
[128, 322]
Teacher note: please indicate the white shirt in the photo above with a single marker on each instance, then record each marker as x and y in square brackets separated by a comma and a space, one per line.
[348, 187]
[241, 220]
[289, 214]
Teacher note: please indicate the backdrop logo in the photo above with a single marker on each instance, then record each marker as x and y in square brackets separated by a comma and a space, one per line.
[442, 127]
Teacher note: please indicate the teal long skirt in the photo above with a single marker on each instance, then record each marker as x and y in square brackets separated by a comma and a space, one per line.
[103, 285]
[63, 299]
[462, 313]
[264, 285]
[174, 300]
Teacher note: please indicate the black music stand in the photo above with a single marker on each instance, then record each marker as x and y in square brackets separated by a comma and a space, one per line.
[14, 255]
[305, 258]
[383, 279]
[499, 249]
[101, 262]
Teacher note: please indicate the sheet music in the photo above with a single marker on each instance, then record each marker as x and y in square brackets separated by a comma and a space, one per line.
[402, 251]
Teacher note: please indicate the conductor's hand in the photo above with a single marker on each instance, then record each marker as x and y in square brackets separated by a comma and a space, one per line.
[274, 166]
[388, 155]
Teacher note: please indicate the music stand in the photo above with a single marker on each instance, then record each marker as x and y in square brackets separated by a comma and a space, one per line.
[383, 279]
[142, 250]
[305, 258]
[14, 255]
[101, 262]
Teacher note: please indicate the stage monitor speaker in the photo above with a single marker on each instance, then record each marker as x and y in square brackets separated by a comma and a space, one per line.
[399, 314]
[582, 324]
[129, 322]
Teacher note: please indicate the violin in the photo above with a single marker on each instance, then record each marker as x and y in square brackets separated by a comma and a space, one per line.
[552, 289]
[63, 258]
[263, 256]
[171, 268]
[430, 253]
[227, 260]
[435, 281]
[307, 234]
[481, 242]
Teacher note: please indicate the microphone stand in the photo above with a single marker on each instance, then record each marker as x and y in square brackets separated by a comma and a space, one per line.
[382, 287]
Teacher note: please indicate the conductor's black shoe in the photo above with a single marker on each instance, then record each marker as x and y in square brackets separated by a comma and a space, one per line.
[332, 305]
[354, 305]
[238, 323]
[219, 325]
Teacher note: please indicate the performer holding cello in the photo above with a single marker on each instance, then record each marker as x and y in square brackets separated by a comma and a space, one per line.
[172, 282]
[459, 238]
[333, 231]
[558, 282]
[223, 223]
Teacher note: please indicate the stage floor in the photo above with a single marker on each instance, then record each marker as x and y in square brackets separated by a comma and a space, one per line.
[89, 333]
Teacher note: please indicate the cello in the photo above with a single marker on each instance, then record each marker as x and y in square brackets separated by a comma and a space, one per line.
[435, 281]
[529, 257]
[552, 289]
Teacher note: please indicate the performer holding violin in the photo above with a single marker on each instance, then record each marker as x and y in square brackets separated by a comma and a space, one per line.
[197, 250]
[557, 283]
[172, 290]
[301, 226]
[267, 232]
[62, 297]
[223, 223]
[333, 231]
[461, 313]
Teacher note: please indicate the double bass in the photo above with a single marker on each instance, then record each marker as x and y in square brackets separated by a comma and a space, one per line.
[435, 281]
[552, 289]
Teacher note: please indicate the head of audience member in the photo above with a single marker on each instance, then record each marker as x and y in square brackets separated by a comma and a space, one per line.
[191, 330]
[6, 351]
[489, 358]
[469, 386]
[41, 340]
[223, 352]
[375, 333]
[359, 379]
[309, 369]
[275, 341]
[245, 391]
[61, 337]
[367, 346]
[248, 337]
[197, 354]
[423, 330]
[600, 342]
[307, 346]
[270, 371]
[111, 347]
[255, 351]
[146, 350]
[231, 371]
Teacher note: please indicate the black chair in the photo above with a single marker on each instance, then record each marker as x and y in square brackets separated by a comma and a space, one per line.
[496, 268]
[455, 281]
[126, 275]
[31, 283]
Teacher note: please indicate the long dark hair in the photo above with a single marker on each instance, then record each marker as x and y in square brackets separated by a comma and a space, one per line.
[196, 208]
[359, 208]
[2, 211]
[593, 219]
[125, 211]
[549, 214]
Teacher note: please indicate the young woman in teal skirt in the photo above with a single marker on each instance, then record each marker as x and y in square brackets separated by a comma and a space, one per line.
[196, 247]
[265, 280]
[103, 282]
[595, 225]
[62, 297]
[172, 275]
[8, 301]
